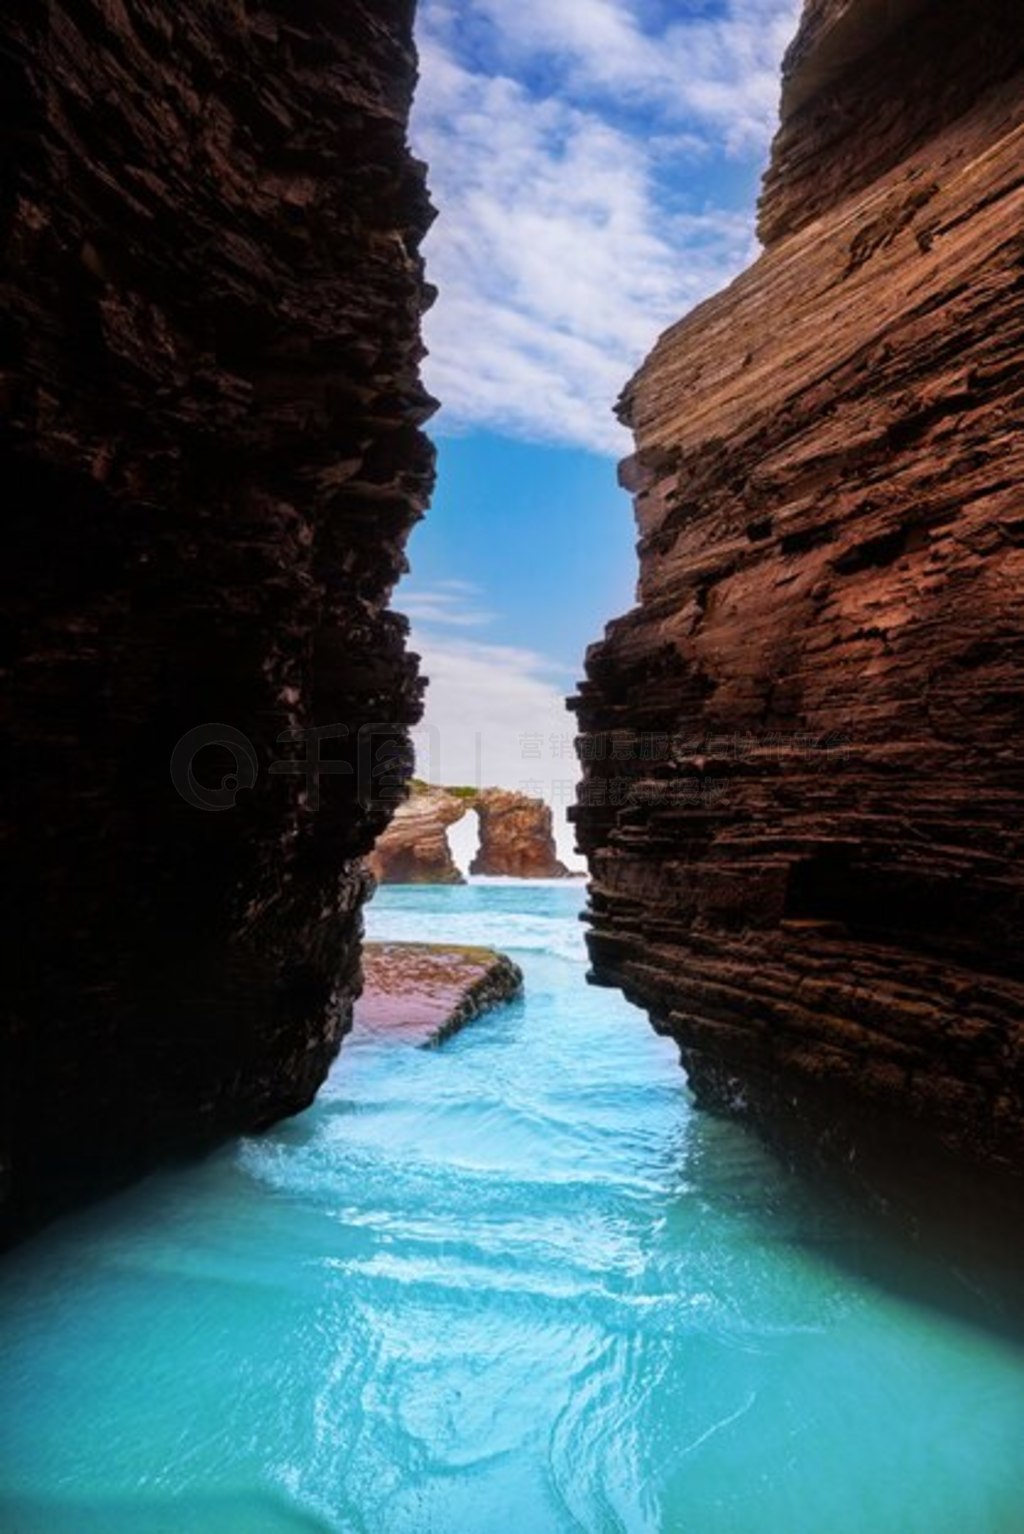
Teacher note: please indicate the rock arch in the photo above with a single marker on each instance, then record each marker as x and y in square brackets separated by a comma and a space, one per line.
[516, 837]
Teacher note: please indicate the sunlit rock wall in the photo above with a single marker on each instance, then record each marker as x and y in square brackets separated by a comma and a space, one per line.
[517, 837]
[803, 796]
[414, 849]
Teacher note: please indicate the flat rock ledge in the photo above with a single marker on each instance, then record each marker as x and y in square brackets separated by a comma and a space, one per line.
[422, 993]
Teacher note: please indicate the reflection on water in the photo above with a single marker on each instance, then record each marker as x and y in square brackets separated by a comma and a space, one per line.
[516, 1282]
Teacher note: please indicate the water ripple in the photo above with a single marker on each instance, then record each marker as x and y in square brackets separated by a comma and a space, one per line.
[512, 1283]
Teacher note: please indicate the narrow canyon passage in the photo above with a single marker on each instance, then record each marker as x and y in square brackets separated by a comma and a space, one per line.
[514, 1282]
[281, 618]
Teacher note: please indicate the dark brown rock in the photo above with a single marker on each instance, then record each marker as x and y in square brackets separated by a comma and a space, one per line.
[868, 84]
[211, 457]
[803, 799]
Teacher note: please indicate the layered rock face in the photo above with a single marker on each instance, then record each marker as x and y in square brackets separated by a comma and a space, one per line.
[803, 802]
[210, 446]
[414, 849]
[516, 838]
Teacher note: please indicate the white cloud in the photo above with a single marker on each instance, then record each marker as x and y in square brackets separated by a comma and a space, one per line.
[558, 254]
[496, 715]
[450, 603]
[720, 71]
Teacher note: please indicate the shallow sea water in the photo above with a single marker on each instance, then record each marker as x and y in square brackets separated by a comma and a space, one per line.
[516, 1285]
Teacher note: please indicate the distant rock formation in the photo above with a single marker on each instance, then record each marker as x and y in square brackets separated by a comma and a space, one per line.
[803, 805]
[211, 456]
[414, 849]
[516, 838]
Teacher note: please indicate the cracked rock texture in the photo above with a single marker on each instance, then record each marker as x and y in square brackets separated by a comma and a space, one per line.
[803, 796]
[210, 416]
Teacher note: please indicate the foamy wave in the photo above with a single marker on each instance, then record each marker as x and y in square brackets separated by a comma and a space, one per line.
[510, 931]
[504, 881]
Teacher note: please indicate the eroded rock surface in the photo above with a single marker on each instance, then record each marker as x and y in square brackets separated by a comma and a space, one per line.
[414, 849]
[803, 804]
[516, 837]
[422, 993]
[211, 457]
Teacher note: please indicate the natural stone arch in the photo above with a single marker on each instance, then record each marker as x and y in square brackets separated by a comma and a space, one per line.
[516, 837]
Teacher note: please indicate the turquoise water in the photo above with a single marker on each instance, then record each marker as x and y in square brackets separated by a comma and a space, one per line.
[512, 1286]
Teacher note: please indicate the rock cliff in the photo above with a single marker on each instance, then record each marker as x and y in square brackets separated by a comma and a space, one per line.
[210, 417]
[414, 849]
[803, 799]
[516, 838]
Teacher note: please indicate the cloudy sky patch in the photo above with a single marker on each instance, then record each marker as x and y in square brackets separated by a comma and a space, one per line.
[595, 164]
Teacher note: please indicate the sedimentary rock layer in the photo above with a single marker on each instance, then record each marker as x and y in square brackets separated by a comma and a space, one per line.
[803, 803]
[516, 837]
[211, 455]
[414, 849]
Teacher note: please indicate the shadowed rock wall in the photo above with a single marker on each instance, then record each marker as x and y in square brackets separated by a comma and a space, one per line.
[803, 795]
[211, 456]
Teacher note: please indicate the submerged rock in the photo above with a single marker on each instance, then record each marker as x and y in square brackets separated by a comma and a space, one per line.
[211, 457]
[422, 993]
[803, 807]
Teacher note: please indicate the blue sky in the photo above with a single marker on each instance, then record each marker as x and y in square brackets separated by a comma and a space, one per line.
[595, 164]
[543, 534]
